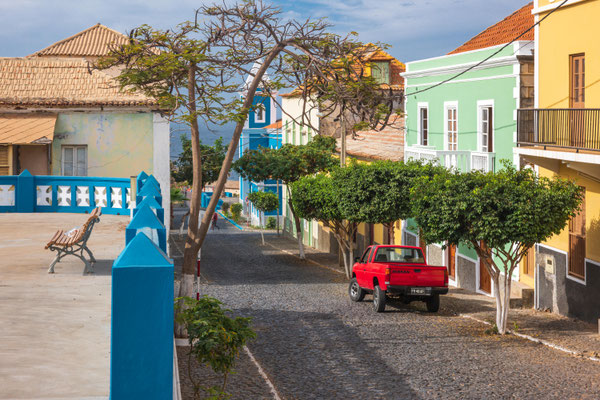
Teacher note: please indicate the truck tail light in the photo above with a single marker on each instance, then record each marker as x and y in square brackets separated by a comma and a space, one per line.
[387, 275]
[445, 277]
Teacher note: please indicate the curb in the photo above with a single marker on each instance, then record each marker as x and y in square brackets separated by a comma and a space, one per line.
[539, 341]
[230, 221]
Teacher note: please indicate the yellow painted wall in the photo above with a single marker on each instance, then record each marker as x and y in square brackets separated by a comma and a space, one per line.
[569, 30]
[592, 214]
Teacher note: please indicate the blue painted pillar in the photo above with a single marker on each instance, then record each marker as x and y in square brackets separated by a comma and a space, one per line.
[141, 362]
[144, 220]
[25, 197]
[141, 178]
[153, 204]
[149, 190]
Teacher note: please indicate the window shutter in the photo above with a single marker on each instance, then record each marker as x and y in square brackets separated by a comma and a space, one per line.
[4, 160]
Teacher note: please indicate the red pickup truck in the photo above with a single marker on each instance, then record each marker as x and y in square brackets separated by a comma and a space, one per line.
[400, 271]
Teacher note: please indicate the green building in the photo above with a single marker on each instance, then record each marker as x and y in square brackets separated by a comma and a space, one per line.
[467, 120]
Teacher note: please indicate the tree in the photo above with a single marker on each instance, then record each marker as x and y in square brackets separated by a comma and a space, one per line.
[264, 202]
[288, 164]
[500, 215]
[211, 158]
[379, 192]
[194, 68]
[316, 198]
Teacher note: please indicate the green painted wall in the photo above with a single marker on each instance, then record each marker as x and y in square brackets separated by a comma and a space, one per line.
[118, 144]
[499, 88]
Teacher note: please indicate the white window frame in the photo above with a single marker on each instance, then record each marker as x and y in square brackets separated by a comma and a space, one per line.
[74, 149]
[481, 104]
[422, 106]
[449, 105]
[262, 109]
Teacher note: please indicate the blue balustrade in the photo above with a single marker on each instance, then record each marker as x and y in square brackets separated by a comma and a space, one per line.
[73, 194]
[141, 360]
[147, 222]
[149, 191]
[154, 206]
[141, 178]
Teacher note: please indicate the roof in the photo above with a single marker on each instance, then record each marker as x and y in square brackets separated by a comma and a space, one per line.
[387, 144]
[396, 68]
[92, 42]
[61, 82]
[503, 32]
[275, 125]
[27, 128]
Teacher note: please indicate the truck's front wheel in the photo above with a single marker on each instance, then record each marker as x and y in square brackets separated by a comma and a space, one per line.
[355, 291]
[378, 299]
[433, 303]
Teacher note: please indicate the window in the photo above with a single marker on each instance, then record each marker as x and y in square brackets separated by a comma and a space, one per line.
[452, 128]
[399, 255]
[259, 113]
[5, 160]
[423, 125]
[381, 71]
[577, 81]
[74, 160]
[486, 129]
[577, 244]
[365, 257]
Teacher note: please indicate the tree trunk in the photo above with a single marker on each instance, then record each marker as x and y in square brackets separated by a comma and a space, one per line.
[231, 150]
[190, 253]
[346, 254]
[262, 235]
[298, 227]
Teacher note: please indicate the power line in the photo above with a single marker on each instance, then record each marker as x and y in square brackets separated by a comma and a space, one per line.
[490, 56]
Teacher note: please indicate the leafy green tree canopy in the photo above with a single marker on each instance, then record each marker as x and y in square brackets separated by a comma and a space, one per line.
[212, 158]
[510, 206]
[264, 201]
[288, 163]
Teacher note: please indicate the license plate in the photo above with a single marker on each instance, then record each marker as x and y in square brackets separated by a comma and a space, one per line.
[420, 291]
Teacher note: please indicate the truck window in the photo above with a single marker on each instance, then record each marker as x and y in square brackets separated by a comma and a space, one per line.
[399, 255]
[365, 257]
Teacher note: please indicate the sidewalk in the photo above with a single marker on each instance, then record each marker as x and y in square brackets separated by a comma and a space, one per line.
[580, 337]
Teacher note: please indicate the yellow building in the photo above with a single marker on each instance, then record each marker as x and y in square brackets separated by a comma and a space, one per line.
[561, 137]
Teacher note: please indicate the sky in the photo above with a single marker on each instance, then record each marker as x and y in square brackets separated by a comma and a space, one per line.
[414, 28]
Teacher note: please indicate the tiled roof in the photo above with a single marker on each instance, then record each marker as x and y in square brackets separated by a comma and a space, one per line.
[502, 32]
[61, 82]
[92, 42]
[275, 125]
[387, 144]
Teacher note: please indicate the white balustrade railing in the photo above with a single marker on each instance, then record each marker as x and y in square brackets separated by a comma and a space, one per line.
[462, 160]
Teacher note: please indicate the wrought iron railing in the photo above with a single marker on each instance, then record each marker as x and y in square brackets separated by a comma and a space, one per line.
[576, 128]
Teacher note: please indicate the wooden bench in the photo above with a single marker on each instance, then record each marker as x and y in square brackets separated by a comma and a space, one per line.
[74, 242]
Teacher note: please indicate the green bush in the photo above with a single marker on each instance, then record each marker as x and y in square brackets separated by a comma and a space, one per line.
[271, 223]
[225, 208]
[236, 211]
[215, 338]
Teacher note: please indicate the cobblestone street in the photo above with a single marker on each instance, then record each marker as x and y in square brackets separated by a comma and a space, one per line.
[314, 343]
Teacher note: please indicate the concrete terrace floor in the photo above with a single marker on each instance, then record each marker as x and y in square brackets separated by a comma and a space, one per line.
[55, 328]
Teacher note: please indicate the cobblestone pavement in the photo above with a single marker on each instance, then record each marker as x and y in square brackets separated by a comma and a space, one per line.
[314, 343]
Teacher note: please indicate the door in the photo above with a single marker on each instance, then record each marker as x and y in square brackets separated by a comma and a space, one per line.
[485, 280]
[451, 261]
[577, 100]
[577, 242]
[361, 268]
[529, 263]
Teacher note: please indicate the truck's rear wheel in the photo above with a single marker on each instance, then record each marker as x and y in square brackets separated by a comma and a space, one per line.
[433, 303]
[355, 291]
[378, 299]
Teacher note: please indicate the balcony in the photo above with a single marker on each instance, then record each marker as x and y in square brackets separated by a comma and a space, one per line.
[568, 128]
[462, 160]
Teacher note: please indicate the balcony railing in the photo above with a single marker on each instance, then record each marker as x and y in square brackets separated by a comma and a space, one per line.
[575, 128]
[462, 160]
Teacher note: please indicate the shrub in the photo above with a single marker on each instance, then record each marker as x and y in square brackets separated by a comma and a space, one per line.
[271, 223]
[236, 211]
[225, 207]
[215, 338]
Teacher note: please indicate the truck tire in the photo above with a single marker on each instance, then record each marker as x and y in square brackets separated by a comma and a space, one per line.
[378, 299]
[355, 291]
[433, 303]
